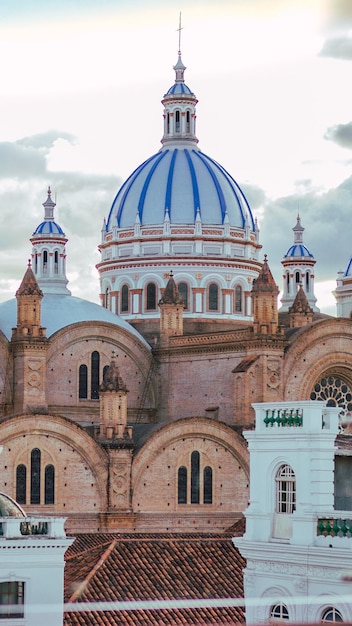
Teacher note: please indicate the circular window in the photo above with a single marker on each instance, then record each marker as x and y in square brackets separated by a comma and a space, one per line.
[335, 391]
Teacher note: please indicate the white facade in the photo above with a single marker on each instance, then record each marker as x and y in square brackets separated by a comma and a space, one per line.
[297, 547]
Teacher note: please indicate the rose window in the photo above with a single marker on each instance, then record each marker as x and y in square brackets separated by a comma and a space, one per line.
[335, 391]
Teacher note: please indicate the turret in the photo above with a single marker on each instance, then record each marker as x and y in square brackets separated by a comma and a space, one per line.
[48, 252]
[29, 345]
[298, 264]
[264, 299]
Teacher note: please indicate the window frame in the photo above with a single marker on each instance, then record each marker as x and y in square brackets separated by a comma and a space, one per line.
[285, 493]
[14, 598]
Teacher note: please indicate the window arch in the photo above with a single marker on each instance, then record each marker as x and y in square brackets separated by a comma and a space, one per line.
[35, 476]
[168, 123]
[195, 463]
[207, 485]
[213, 297]
[183, 291]
[177, 121]
[49, 484]
[45, 261]
[279, 611]
[297, 278]
[331, 615]
[125, 299]
[83, 382]
[182, 485]
[94, 381]
[288, 282]
[285, 490]
[107, 298]
[151, 297]
[21, 483]
[56, 262]
[195, 482]
[238, 299]
[307, 281]
[188, 122]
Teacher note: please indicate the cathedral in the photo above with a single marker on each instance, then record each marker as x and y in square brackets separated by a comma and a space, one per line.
[128, 417]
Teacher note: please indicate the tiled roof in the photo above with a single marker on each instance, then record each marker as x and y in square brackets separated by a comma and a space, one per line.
[113, 567]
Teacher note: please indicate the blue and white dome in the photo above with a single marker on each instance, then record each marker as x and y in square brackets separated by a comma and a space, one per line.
[48, 228]
[179, 210]
[180, 181]
[298, 251]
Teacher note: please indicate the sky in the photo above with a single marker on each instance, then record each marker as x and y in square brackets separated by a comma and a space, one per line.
[80, 91]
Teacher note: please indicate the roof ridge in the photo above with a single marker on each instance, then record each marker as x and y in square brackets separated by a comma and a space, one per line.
[82, 586]
[89, 549]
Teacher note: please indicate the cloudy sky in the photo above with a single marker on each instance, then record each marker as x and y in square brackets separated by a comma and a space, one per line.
[80, 90]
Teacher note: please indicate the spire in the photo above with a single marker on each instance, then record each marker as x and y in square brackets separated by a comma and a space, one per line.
[49, 207]
[112, 380]
[301, 313]
[179, 106]
[265, 280]
[298, 231]
[171, 294]
[29, 297]
[29, 285]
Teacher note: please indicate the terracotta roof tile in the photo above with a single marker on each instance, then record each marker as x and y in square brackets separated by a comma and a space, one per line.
[105, 568]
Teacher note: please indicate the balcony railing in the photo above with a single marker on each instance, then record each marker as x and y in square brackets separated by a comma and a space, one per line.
[291, 418]
[334, 527]
[19, 527]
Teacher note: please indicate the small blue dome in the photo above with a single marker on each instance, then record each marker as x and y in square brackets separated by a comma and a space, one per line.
[298, 250]
[49, 228]
[180, 180]
[179, 88]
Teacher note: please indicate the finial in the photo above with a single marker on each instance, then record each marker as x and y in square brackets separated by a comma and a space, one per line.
[179, 35]
[265, 258]
[49, 191]
[171, 274]
[29, 263]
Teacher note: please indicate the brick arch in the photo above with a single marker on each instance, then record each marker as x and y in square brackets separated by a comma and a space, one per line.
[318, 350]
[75, 454]
[154, 469]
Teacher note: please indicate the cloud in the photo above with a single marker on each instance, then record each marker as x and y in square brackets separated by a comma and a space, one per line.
[325, 217]
[341, 134]
[338, 48]
[82, 200]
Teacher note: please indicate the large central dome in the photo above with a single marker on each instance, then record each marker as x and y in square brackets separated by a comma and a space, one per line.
[179, 210]
[179, 181]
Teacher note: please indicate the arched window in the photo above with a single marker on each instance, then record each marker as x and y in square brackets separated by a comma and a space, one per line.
[182, 485]
[83, 382]
[56, 262]
[49, 491]
[168, 123]
[334, 390]
[21, 483]
[307, 281]
[188, 122]
[297, 278]
[207, 485]
[36, 263]
[124, 299]
[177, 122]
[151, 297]
[94, 381]
[285, 490]
[45, 262]
[288, 282]
[213, 299]
[238, 299]
[195, 462]
[183, 291]
[279, 611]
[35, 476]
[331, 615]
[107, 298]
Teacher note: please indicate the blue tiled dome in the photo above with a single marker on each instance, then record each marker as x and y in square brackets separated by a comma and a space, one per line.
[298, 250]
[179, 88]
[48, 228]
[180, 180]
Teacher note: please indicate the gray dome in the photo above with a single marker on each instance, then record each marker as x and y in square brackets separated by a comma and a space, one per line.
[180, 180]
[10, 508]
[59, 311]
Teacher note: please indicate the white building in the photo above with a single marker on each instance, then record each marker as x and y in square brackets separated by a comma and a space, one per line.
[31, 567]
[297, 546]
